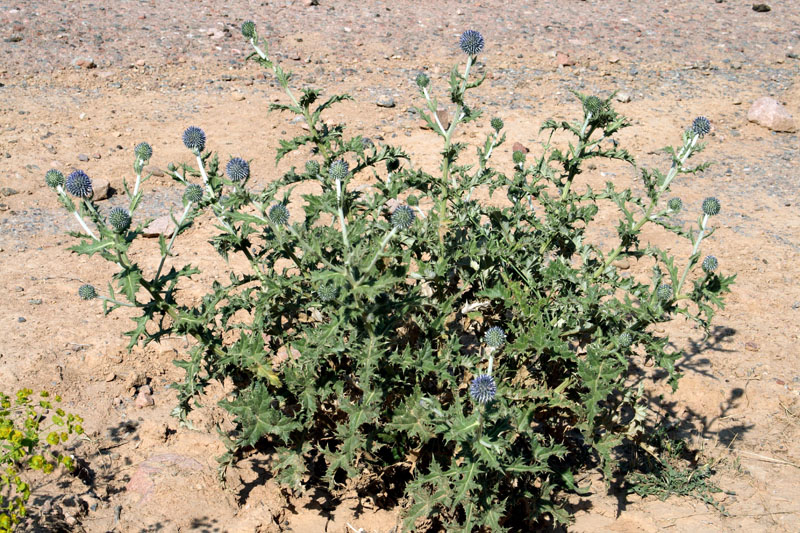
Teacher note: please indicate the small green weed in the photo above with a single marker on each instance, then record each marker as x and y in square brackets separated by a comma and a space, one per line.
[31, 432]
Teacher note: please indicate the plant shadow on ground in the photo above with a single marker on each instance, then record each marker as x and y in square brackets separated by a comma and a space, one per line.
[678, 424]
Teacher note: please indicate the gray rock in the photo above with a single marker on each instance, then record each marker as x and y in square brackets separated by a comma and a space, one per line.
[385, 101]
[83, 157]
[8, 191]
[623, 97]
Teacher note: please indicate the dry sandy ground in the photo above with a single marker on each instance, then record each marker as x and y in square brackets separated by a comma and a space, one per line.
[183, 64]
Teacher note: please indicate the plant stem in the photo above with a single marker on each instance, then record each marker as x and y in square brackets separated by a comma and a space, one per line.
[61, 191]
[581, 147]
[380, 249]
[202, 168]
[696, 247]
[172, 240]
[682, 156]
[342, 222]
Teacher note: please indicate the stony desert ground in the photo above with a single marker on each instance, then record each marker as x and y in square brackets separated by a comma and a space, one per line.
[82, 83]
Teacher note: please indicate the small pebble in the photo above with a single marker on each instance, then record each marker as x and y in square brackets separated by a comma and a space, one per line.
[385, 101]
[22, 319]
[83, 157]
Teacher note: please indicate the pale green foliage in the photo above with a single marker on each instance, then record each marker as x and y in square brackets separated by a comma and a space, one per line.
[31, 431]
[355, 335]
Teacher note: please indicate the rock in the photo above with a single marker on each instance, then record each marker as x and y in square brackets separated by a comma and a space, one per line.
[8, 191]
[769, 113]
[96, 155]
[143, 400]
[155, 171]
[310, 3]
[101, 188]
[237, 97]
[519, 147]
[161, 226]
[761, 8]
[22, 319]
[385, 101]
[110, 377]
[563, 60]
[613, 59]
[83, 157]
[623, 97]
[84, 62]
[751, 346]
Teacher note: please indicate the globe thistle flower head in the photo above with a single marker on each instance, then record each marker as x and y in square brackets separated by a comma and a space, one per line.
[471, 42]
[701, 126]
[593, 105]
[483, 389]
[312, 168]
[249, 29]
[675, 204]
[278, 214]
[494, 337]
[327, 292]
[79, 185]
[518, 157]
[710, 264]
[120, 219]
[87, 292]
[711, 206]
[665, 291]
[143, 151]
[195, 139]
[423, 81]
[392, 164]
[497, 124]
[193, 193]
[338, 170]
[625, 339]
[237, 169]
[403, 217]
[54, 178]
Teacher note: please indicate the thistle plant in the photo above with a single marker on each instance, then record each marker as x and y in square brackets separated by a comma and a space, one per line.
[475, 356]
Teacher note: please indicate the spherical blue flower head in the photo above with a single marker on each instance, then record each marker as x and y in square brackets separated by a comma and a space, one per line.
[249, 29]
[195, 139]
[143, 151]
[193, 193]
[494, 337]
[54, 178]
[87, 292]
[675, 204]
[338, 170]
[79, 185]
[665, 291]
[403, 217]
[278, 214]
[497, 124]
[471, 42]
[701, 126]
[518, 157]
[423, 81]
[710, 264]
[237, 169]
[312, 168]
[483, 389]
[625, 339]
[120, 219]
[327, 292]
[711, 206]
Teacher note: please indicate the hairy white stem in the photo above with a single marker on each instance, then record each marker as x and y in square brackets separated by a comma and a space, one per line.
[172, 240]
[380, 248]
[342, 222]
[61, 191]
[703, 228]
[202, 168]
[434, 111]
